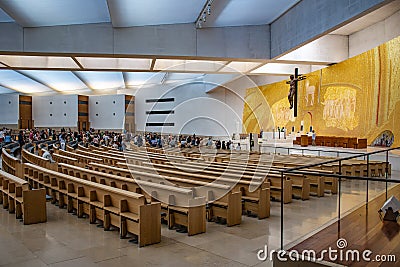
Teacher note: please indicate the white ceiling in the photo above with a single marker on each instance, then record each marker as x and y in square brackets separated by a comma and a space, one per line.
[369, 19]
[246, 12]
[129, 13]
[49, 73]
[102, 80]
[141, 78]
[30, 13]
[68, 74]
[20, 83]
[58, 80]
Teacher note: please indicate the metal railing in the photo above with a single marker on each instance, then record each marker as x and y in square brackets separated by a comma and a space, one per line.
[339, 176]
[288, 149]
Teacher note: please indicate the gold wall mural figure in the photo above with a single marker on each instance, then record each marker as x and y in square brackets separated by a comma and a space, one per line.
[358, 97]
[310, 94]
[340, 108]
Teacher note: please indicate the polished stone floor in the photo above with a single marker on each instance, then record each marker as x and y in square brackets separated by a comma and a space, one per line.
[66, 240]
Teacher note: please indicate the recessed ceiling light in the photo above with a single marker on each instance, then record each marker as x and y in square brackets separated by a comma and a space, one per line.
[188, 65]
[38, 62]
[115, 63]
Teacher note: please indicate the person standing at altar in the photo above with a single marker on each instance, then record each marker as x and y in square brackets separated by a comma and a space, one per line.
[313, 137]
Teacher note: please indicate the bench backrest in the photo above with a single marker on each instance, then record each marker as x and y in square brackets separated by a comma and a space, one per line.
[108, 195]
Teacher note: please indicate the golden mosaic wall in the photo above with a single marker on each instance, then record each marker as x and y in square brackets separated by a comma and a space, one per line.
[359, 97]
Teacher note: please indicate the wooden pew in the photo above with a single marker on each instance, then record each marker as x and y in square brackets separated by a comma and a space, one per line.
[64, 159]
[11, 164]
[303, 185]
[315, 181]
[257, 201]
[37, 160]
[156, 157]
[181, 205]
[300, 184]
[81, 158]
[28, 205]
[111, 160]
[125, 210]
[229, 202]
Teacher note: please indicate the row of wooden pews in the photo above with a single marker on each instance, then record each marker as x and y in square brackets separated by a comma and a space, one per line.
[297, 184]
[302, 186]
[127, 211]
[253, 202]
[191, 189]
[193, 207]
[226, 206]
[177, 211]
[130, 212]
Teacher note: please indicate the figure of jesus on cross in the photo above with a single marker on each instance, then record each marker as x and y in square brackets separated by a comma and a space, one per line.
[292, 96]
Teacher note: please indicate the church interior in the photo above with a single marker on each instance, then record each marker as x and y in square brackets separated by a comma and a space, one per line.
[199, 133]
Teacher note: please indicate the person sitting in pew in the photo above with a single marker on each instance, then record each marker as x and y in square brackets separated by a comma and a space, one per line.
[48, 155]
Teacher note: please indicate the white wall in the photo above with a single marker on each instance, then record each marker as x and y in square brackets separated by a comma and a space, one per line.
[328, 48]
[9, 109]
[217, 113]
[55, 111]
[374, 35]
[107, 112]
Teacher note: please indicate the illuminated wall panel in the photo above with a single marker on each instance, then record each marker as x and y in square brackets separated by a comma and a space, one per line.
[359, 97]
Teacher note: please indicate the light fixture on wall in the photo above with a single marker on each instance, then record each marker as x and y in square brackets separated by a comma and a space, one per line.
[206, 11]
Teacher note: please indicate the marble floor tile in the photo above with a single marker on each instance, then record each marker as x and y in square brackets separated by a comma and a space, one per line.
[28, 263]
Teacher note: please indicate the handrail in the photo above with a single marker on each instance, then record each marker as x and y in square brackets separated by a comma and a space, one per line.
[337, 160]
[361, 178]
[339, 176]
[314, 150]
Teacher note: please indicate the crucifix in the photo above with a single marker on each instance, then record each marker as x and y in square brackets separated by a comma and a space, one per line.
[292, 97]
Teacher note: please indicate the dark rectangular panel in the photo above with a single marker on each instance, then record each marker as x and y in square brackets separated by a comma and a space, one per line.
[25, 103]
[160, 124]
[129, 113]
[160, 112]
[82, 114]
[171, 99]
